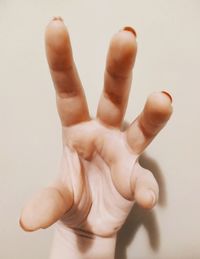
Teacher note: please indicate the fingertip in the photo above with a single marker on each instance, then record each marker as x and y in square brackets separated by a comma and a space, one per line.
[25, 226]
[56, 31]
[146, 199]
[21, 224]
[58, 46]
[125, 42]
[158, 107]
[160, 99]
[122, 53]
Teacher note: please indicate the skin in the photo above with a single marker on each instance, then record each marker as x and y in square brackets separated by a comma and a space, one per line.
[100, 177]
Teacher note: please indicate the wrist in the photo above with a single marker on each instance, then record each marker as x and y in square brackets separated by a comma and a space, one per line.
[69, 243]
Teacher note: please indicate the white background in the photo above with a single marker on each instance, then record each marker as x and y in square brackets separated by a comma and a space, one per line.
[30, 139]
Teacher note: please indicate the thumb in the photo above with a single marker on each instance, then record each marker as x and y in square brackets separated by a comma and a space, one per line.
[45, 208]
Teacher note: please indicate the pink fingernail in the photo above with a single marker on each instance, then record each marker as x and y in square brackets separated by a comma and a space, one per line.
[166, 93]
[130, 29]
[57, 18]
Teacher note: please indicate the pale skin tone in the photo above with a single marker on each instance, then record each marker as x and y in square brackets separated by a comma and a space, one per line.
[100, 177]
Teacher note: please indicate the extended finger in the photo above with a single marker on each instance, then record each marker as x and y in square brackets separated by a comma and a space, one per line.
[45, 208]
[71, 101]
[154, 116]
[118, 77]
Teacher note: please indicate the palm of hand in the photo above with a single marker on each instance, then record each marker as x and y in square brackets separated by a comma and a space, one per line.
[100, 177]
[100, 165]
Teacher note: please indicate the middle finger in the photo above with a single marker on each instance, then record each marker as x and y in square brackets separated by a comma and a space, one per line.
[118, 77]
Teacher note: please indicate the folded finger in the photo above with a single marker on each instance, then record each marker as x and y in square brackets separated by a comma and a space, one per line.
[146, 190]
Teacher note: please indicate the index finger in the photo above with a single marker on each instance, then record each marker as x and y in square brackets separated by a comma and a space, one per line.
[71, 101]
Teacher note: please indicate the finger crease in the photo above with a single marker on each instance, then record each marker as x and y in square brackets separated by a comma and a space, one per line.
[117, 76]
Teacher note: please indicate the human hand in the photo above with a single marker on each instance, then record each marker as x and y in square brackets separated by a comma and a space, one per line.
[100, 177]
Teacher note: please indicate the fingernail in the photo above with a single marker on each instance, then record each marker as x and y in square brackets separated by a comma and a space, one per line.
[166, 93]
[57, 18]
[130, 29]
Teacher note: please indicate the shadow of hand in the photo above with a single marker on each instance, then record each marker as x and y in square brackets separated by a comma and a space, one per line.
[139, 217]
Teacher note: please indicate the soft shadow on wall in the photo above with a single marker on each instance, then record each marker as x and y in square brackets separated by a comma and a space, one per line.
[140, 217]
